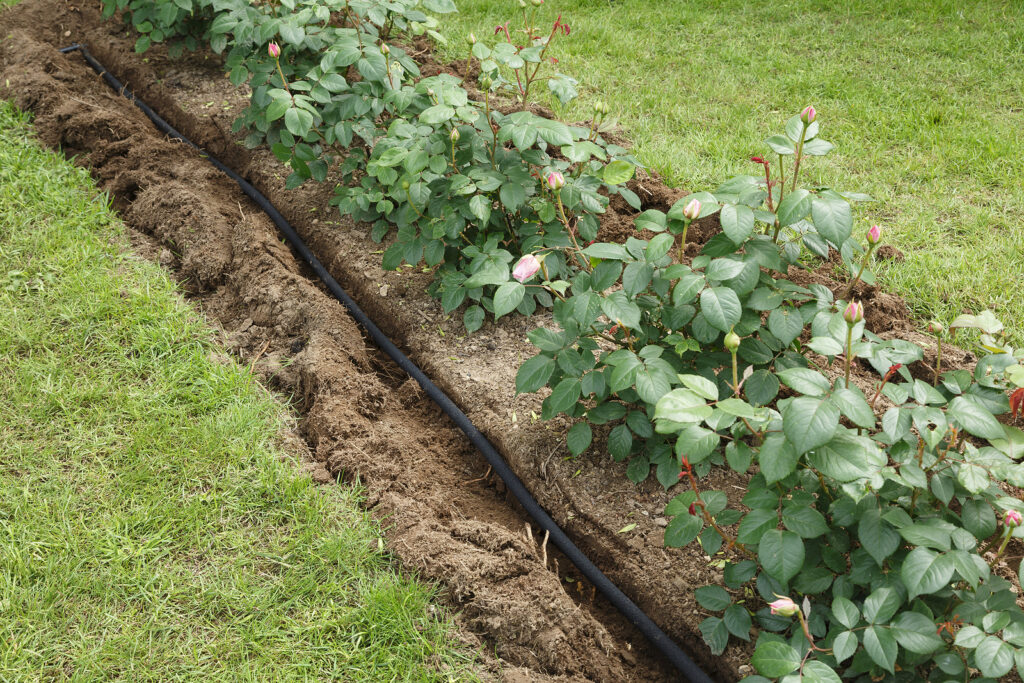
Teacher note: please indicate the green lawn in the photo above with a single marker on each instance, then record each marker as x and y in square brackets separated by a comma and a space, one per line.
[924, 100]
[150, 527]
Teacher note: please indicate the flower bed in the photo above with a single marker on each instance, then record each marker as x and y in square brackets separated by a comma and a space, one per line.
[723, 356]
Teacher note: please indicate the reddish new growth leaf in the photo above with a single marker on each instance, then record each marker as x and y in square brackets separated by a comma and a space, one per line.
[1017, 403]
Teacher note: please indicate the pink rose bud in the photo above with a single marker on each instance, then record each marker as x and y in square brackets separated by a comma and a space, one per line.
[808, 115]
[784, 607]
[935, 327]
[692, 210]
[274, 50]
[454, 135]
[556, 181]
[526, 268]
[874, 235]
[1012, 519]
[854, 313]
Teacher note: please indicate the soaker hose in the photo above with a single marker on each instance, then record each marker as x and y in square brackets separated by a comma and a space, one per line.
[686, 666]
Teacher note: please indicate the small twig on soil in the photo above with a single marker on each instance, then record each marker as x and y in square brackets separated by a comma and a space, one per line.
[252, 365]
[483, 478]
[529, 533]
[544, 548]
[544, 465]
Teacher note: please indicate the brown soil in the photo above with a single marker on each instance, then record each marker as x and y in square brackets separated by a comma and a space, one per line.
[446, 518]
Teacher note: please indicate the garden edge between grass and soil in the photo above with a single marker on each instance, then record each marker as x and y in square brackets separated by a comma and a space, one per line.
[590, 496]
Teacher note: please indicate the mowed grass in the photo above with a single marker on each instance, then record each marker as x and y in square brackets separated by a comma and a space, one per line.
[924, 100]
[150, 527]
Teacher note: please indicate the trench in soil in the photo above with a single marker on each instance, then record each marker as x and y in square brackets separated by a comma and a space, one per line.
[362, 418]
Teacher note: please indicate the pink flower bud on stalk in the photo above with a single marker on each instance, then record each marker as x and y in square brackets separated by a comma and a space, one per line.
[274, 50]
[808, 115]
[1012, 519]
[526, 268]
[555, 180]
[472, 38]
[455, 135]
[784, 607]
[935, 327]
[854, 312]
[692, 210]
[874, 235]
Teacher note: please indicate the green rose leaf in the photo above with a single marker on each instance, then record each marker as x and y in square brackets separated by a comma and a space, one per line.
[781, 554]
[774, 659]
[794, 207]
[833, 219]
[618, 172]
[880, 644]
[682, 530]
[579, 438]
[777, 458]
[714, 598]
[994, 658]
[975, 419]
[534, 373]
[810, 422]
[881, 605]
[682, 405]
[926, 571]
[737, 222]
[507, 298]
[721, 307]
[916, 632]
[473, 318]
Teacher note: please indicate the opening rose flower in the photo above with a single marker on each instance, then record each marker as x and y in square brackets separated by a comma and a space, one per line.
[854, 312]
[784, 607]
[691, 211]
[555, 180]
[1012, 519]
[808, 115]
[875, 235]
[526, 268]
[274, 50]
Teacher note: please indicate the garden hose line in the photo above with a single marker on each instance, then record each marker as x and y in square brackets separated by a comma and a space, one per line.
[686, 666]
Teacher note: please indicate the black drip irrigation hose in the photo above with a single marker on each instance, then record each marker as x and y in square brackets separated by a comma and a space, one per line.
[686, 666]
